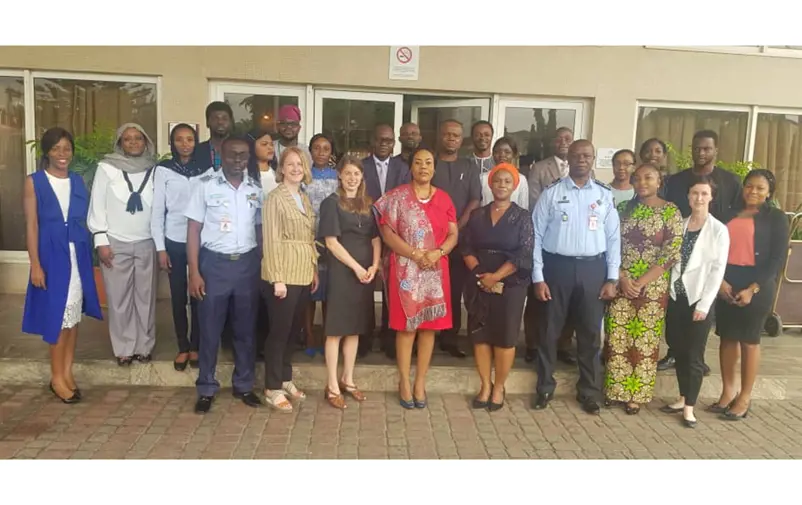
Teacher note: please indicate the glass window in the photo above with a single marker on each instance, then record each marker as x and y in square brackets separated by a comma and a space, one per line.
[350, 123]
[677, 127]
[12, 163]
[778, 148]
[534, 129]
[430, 117]
[83, 107]
[256, 111]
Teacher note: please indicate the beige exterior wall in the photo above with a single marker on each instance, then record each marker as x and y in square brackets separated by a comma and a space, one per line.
[613, 79]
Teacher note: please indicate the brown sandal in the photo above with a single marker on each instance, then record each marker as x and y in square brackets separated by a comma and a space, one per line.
[335, 400]
[353, 391]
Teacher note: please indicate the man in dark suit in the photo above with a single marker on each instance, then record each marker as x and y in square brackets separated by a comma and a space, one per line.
[382, 174]
[220, 121]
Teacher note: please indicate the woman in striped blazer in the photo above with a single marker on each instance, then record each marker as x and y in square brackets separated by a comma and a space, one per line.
[289, 264]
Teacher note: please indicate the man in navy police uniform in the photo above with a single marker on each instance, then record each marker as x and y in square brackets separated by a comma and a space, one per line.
[576, 260]
[224, 230]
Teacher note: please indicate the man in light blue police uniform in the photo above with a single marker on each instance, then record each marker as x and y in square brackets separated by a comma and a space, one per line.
[576, 259]
[223, 236]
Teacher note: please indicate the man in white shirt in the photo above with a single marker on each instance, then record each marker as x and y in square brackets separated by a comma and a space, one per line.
[482, 155]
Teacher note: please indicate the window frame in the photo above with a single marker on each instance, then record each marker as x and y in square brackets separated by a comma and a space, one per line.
[219, 88]
[768, 51]
[751, 124]
[28, 76]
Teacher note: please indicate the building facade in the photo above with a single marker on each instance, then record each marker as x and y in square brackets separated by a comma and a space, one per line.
[615, 96]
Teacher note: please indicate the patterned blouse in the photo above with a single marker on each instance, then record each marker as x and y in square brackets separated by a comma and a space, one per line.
[688, 241]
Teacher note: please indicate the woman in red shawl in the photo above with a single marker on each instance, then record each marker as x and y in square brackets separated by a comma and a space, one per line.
[418, 224]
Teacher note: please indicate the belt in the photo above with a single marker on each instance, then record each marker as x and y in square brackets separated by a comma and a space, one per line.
[227, 257]
[576, 258]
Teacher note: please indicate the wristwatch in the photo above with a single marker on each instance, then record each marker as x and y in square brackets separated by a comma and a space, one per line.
[756, 290]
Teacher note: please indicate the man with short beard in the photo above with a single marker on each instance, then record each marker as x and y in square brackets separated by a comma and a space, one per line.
[457, 177]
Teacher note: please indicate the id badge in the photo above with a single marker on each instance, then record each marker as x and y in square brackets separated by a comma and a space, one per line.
[593, 223]
[225, 224]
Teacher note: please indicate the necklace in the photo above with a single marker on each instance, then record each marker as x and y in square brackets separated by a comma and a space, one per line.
[428, 196]
[499, 209]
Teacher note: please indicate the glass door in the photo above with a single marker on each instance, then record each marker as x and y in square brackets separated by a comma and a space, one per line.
[257, 105]
[350, 116]
[428, 114]
[533, 124]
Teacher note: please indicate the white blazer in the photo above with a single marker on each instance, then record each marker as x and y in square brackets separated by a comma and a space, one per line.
[705, 269]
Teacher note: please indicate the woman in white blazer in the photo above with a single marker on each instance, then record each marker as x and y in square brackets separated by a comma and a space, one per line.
[695, 283]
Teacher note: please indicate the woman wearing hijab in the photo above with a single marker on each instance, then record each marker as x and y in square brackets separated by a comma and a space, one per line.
[119, 219]
[172, 180]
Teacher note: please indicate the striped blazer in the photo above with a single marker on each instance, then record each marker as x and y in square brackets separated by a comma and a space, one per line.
[290, 255]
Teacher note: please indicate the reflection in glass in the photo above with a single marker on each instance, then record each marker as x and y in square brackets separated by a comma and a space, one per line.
[83, 106]
[12, 163]
[778, 148]
[677, 127]
[350, 123]
[429, 118]
[256, 111]
[534, 128]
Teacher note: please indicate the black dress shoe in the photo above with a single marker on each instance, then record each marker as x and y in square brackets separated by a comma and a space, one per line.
[203, 404]
[531, 355]
[666, 363]
[453, 350]
[688, 423]
[591, 407]
[142, 358]
[566, 357]
[248, 399]
[125, 361]
[542, 400]
[668, 409]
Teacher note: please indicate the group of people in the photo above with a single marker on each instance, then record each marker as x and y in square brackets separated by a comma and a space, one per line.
[254, 230]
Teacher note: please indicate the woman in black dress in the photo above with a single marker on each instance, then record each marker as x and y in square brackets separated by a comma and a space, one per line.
[758, 248]
[354, 248]
[497, 247]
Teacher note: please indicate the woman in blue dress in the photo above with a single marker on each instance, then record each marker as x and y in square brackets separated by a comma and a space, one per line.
[62, 283]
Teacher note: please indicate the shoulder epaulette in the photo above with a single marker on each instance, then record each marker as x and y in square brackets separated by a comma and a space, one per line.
[553, 183]
[254, 182]
[603, 184]
[207, 178]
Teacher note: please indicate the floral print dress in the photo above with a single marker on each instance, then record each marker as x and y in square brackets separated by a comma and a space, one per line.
[650, 236]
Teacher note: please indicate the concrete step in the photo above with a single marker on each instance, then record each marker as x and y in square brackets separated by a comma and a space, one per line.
[370, 377]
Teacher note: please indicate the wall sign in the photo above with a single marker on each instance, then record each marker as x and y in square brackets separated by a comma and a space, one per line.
[404, 62]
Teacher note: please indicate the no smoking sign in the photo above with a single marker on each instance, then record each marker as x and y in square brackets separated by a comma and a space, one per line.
[404, 61]
[404, 55]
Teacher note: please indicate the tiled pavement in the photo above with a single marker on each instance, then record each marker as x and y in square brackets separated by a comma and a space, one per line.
[144, 422]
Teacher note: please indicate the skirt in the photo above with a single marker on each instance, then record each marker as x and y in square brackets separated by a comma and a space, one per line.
[744, 324]
[499, 316]
[75, 294]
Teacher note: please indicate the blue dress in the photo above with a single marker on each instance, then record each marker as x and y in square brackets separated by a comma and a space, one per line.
[44, 308]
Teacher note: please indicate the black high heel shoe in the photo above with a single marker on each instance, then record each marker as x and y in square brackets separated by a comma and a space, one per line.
[720, 409]
[180, 366]
[72, 399]
[494, 407]
[729, 416]
[77, 393]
